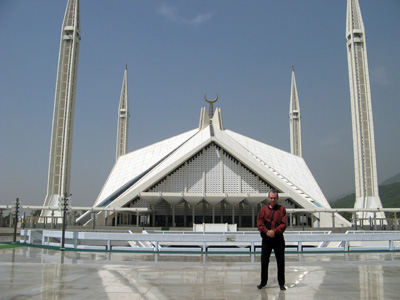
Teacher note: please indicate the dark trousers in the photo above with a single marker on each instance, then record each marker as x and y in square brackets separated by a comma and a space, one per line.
[278, 244]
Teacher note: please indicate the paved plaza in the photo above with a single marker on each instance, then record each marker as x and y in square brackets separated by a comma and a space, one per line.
[36, 273]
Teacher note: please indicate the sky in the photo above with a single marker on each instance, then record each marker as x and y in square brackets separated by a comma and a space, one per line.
[176, 51]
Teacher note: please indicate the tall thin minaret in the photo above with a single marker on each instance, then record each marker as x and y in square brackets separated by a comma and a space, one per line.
[295, 122]
[64, 106]
[123, 118]
[366, 179]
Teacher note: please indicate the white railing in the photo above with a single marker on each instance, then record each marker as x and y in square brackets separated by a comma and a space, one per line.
[240, 241]
[373, 223]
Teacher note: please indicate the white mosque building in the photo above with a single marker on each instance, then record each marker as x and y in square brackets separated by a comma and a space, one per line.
[210, 174]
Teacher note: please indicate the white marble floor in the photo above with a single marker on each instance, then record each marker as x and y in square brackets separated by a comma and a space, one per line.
[35, 273]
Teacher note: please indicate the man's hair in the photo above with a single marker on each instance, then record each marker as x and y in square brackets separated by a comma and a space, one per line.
[273, 191]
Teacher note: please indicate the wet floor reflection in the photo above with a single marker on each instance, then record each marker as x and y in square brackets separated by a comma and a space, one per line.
[49, 274]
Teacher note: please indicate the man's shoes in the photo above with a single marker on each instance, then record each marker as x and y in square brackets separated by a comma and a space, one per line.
[282, 287]
[260, 286]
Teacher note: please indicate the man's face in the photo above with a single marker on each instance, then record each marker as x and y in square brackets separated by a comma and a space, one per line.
[273, 199]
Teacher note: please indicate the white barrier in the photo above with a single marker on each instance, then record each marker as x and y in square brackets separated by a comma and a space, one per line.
[239, 241]
[215, 227]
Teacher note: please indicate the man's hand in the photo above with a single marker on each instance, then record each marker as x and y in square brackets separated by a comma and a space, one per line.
[271, 233]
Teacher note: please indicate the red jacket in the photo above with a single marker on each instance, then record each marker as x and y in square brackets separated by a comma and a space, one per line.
[278, 223]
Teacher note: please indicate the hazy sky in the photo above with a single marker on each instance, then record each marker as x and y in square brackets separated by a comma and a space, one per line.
[176, 51]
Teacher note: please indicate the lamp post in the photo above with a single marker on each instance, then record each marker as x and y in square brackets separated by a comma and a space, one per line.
[16, 211]
[93, 216]
[65, 206]
[303, 220]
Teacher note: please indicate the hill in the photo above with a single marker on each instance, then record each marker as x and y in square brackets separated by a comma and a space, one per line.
[395, 178]
[389, 193]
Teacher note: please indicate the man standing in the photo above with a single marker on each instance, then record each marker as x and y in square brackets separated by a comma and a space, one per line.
[271, 222]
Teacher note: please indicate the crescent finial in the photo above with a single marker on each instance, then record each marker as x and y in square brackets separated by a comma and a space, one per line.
[210, 101]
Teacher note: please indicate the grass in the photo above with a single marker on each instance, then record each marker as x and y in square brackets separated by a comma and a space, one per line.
[9, 245]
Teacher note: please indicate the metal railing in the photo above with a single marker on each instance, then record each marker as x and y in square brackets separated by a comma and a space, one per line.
[32, 221]
[207, 242]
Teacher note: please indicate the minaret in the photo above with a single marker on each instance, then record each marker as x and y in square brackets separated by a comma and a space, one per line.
[64, 106]
[123, 118]
[295, 122]
[366, 179]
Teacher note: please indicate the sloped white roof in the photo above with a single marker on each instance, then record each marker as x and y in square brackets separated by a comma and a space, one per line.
[136, 171]
[289, 168]
[171, 161]
[135, 163]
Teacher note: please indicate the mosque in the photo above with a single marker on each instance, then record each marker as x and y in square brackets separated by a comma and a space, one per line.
[209, 174]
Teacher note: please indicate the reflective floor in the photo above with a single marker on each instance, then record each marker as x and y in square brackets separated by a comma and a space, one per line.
[34, 273]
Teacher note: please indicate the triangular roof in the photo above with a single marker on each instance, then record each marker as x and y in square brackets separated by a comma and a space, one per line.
[214, 165]
[139, 162]
[134, 173]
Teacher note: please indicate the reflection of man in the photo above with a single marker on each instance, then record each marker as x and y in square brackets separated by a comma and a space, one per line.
[271, 222]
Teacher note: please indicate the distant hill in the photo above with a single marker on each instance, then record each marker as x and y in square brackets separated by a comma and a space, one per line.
[395, 178]
[389, 192]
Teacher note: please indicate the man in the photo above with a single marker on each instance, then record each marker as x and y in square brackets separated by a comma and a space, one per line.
[271, 222]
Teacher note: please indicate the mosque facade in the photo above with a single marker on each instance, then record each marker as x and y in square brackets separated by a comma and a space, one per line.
[210, 174]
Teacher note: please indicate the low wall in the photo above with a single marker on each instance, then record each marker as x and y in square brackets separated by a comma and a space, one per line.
[239, 241]
[210, 227]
